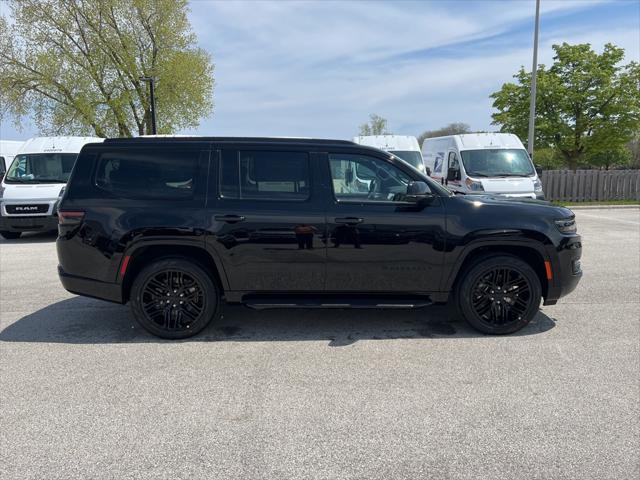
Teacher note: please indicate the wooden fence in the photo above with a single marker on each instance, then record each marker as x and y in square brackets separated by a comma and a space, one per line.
[591, 185]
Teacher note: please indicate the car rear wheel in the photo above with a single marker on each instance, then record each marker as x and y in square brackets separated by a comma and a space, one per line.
[174, 298]
[10, 235]
[499, 295]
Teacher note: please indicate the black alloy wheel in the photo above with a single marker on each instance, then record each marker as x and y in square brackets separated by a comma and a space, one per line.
[174, 298]
[500, 294]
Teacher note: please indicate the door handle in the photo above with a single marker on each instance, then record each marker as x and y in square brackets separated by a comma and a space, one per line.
[229, 218]
[349, 220]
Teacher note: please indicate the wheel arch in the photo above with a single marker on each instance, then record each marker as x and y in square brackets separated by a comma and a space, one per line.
[531, 252]
[141, 255]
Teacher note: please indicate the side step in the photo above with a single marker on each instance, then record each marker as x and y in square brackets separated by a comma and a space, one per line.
[263, 302]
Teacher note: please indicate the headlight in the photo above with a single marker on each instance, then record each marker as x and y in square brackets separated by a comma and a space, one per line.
[473, 185]
[537, 185]
[567, 225]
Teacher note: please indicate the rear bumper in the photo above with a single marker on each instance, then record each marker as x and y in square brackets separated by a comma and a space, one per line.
[87, 287]
[29, 223]
[566, 269]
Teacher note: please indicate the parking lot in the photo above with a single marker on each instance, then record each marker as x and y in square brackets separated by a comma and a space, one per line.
[85, 393]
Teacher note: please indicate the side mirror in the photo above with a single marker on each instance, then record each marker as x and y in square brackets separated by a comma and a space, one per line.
[539, 169]
[453, 174]
[417, 191]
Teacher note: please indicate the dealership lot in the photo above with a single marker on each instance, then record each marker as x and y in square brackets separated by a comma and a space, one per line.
[85, 393]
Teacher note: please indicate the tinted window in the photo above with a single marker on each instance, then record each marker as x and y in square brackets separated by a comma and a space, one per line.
[265, 175]
[152, 173]
[364, 178]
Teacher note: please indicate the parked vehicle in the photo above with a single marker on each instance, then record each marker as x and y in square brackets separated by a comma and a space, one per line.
[34, 183]
[404, 146]
[176, 226]
[495, 163]
[8, 149]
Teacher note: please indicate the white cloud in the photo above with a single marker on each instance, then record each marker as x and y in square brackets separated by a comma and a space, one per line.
[319, 68]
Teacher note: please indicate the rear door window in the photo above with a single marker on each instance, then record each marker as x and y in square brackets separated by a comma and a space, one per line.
[149, 173]
[265, 175]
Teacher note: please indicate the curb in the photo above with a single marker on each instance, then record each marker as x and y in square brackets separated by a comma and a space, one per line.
[602, 207]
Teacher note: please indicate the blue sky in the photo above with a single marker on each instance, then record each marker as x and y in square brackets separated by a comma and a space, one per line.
[295, 68]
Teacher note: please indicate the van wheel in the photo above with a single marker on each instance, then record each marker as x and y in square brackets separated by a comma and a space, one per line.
[174, 298]
[499, 295]
[10, 235]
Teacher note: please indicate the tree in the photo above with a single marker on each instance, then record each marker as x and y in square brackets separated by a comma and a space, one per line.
[376, 126]
[451, 129]
[618, 157]
[587, 103]
[75, 65]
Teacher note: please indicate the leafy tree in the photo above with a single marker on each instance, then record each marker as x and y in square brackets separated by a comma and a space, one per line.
[634, 151]
[451, 129]
[587, 103]
[76, 66]
[549, 158]
[376, 126]
[619, 157]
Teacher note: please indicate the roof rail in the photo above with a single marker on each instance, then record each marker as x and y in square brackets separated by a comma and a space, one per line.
[276, 140]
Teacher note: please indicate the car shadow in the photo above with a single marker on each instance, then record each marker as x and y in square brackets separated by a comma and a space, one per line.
[80, 320]
[32, 237]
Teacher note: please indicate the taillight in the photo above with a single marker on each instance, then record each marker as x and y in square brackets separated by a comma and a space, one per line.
[70, 217]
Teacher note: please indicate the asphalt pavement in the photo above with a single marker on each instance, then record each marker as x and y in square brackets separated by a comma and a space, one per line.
[86, 394]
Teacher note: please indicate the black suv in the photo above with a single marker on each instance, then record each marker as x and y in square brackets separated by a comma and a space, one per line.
[174, 226]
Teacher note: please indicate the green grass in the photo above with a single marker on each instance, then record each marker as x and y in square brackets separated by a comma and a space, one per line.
[603, 202]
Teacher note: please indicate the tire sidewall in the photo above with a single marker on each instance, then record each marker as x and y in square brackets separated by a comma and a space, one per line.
[210, 289]
[464, 293]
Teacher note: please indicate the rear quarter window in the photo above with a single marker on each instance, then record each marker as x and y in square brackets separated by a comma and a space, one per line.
[169, 174]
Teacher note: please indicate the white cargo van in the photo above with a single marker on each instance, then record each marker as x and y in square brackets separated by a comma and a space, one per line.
[34, 183]
[404, 146]
[495, 163]
[8, 150]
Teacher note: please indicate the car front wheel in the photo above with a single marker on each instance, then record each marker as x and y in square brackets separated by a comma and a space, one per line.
[499, 294]
[174, 298]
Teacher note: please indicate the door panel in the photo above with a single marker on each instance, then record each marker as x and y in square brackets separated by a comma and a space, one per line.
[376, 243]
[268, 224]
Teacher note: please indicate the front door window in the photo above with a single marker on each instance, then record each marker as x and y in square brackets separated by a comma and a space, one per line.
[363, 178]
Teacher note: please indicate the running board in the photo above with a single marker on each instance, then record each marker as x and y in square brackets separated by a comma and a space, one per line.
[263, 302]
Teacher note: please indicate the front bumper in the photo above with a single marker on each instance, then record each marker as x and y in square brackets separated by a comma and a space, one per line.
[566, 269]
[28, 223]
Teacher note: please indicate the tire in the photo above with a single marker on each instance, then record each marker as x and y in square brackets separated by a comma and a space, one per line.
[159, 288]
[499, 295]
[10, 235]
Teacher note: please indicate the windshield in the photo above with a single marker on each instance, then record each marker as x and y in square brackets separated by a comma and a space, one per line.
[412, 157]
[497, 163]
[41, 168]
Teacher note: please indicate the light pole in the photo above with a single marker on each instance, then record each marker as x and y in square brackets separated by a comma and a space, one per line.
[534, 73]
[152, 97]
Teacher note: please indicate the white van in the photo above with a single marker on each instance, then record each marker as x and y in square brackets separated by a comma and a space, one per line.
[35, 182]
[8, 150]
[495, 163]
[404, 146]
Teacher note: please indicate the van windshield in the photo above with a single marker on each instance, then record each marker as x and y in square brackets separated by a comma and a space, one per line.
[497, 163]
[41, 168]
[413, 158]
